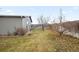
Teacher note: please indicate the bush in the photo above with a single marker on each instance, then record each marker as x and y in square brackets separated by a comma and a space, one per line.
[20, 31]
[8, 33]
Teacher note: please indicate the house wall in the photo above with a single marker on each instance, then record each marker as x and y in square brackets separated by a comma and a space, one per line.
[26, 23]
[8, 24]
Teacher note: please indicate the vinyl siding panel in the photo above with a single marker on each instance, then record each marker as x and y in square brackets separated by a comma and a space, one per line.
[8, 24]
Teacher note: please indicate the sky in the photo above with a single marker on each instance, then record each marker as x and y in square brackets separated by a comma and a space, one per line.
[70, 13]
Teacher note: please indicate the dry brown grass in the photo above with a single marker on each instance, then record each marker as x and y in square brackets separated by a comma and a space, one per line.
[40, 41]
[65, 43]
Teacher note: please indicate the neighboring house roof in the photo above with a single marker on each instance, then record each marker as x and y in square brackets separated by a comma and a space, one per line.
[16, 16]
[30, 18]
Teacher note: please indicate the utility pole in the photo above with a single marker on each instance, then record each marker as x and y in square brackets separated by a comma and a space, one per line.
[60, 24]
[60, 18]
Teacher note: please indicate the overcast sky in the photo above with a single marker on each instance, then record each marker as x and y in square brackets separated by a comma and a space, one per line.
[70, 12]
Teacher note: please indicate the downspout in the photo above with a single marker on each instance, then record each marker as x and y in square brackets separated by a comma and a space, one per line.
[21, 22]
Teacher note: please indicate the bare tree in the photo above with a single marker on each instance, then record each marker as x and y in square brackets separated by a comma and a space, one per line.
[43, 21]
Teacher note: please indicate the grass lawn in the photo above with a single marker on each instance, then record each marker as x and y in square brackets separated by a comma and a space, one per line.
[39, 41]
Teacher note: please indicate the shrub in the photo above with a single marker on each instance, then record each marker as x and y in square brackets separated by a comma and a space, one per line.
[20, 31]
[15, 33]
[8, 33]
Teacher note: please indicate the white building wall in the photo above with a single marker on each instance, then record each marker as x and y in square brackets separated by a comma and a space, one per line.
[9, 24]
[26, 23]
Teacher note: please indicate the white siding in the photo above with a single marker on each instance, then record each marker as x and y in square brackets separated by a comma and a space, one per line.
[9, 24]
[26, 23]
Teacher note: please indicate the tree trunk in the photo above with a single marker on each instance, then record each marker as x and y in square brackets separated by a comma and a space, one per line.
[43, 27]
